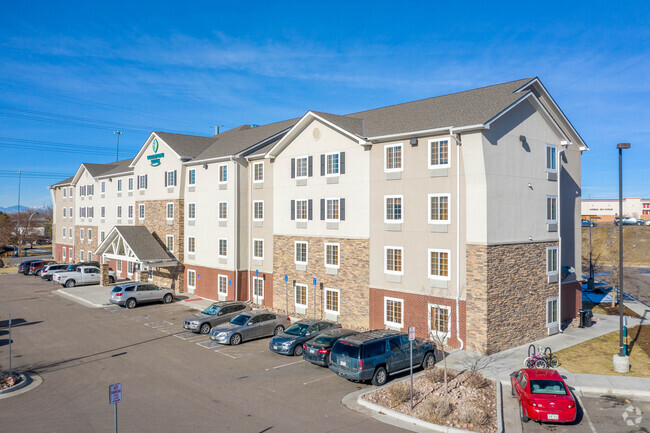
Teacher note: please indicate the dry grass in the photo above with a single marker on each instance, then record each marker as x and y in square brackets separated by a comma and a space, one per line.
[598, 353]
[437, 409]
[476, 380]
[604, 242]
[10, 270]
[398, 393]
[608, 310]
[474, 416]
[436, 375]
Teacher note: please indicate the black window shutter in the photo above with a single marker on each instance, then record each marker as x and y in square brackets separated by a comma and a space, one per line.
[342, 209]
[322, 209]
[322, 165]
[310, 165]
[145, 181]
[309, 210]
[165, 178]
[293, 168]
[342, 163]
[293, 208]
[175, 177]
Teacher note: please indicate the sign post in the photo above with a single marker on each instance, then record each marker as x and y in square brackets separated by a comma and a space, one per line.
[314, 283]
[9, 344]
[114, 397]
[411, 338]
[286, 291]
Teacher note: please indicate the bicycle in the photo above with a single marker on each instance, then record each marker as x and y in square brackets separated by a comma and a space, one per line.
[538, 359]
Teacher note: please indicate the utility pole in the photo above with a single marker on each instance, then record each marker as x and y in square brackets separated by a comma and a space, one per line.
[117, 152]
[20, 175]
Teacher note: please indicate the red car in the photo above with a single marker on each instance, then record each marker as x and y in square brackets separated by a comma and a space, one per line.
[542, 395]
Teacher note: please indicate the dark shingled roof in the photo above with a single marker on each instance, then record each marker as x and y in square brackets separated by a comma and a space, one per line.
[186, 145]
[63, 182]
[352, 124]
[143, 244]
[239, 139]
[118, 167]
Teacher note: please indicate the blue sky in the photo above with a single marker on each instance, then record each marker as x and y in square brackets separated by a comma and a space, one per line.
[72, 74]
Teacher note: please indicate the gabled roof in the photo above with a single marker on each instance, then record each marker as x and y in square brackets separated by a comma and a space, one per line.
[140, 241]
[186, 146]
[119, 167]
[67, 181]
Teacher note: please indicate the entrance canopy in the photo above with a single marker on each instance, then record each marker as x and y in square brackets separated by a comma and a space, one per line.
[135, 244]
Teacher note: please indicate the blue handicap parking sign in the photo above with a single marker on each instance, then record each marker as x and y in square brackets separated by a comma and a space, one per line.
[314, 281]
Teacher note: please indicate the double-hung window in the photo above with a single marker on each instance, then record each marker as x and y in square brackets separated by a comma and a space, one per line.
[439, 264]
[551, 260]
[192, 177]
[64, 212]
[332, 301]
[551, 209]
[302, 167]
[102, 236]
[170, 211]
[332, 255]
[301, 255]
[141, 212]
[222, 284]
[103, 187]
[191, 279]
[258, 172]
[119, 185]
[258, 249]
[393, 260]
[393, 312]
[191, 245]
[65, 193]
[170, 243]
[301, 295]
[393, 158]
[223, 248]
[439, 153]
[119, 212]
[191, 211]
[332, 165]
[223, 173]
[102, 212]
[90, 235]
[258, 210]
[130, 212]
[439, 208]
[332, 208]
[439, 316]
[551, 159]
[130, 184]
[223, 210]
[81, 234]
[142, 181]
[170, 178]
[64, 234]
[70, 235]
[393, 205]
[63, 252]
[301, 210]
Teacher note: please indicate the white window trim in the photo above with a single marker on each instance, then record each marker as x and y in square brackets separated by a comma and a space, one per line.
[130, 183]
[219, 211]
[167, 211]
[188, 245]
[437, 140]
[120, 185]
[130, 212]
[306, 210]
[438, 277]
[255, 164]
[171, 179]
[295, 247]
[448, 220]
[386, 271]
[118, 212]
[386, 147]
[191, 271]
[262, 240]
[63, 257]
[386, 220]
[118, 265]
[191, 218]
[447, 334]
[551, 324]
[222, 182]
[130, 264]
[306, 158]
[189, 177]
[171, 250]
[63, 232]
[332, 174]
[328, 219]
[70, 256]
[550, 221]
[141, 207]
[81, 234]
[102, 236]
[295, 297]
[327, 289]
[393, 325]
[325, 254]
[551, 170]
[219, 277]
[254, 203]
[90, 235]
[257, 298]
[548, 249]
[102, 212]
[219, 248]
[82, 257]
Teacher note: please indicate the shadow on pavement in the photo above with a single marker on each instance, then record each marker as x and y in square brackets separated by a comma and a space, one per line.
[17, 322]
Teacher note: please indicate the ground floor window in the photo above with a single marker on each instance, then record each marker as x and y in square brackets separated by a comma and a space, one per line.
[129, 268]
[551, 312]
[63, 253]
[223, 284]
[150, 275]
[258, 289]
[70, 253]
[118, 265]
[191, 279]
[301, 295]
[332, 297]
[439, 320]
[82, 256]
[393, 310]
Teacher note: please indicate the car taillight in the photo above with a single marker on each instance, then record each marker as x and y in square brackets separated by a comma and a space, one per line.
[571, 405]
[532, 403]
[288, 319]
[118, 294]
[324, 351]
[304, 347]
[361, 364]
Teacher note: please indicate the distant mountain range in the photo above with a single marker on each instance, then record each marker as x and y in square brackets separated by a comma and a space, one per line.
[14, 209]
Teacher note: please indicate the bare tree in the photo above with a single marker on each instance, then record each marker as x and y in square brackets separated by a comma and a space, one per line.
[440, 339]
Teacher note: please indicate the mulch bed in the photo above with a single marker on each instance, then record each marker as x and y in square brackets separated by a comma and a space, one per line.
[640, 336]
[464, 394]
[7, 381]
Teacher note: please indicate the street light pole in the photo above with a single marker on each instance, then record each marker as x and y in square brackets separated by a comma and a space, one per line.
[620, 147]
[117, 151]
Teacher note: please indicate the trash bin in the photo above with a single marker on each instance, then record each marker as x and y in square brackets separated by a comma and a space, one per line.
[585, 318]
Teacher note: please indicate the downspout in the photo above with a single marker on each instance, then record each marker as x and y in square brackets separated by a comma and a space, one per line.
[236, 227]
[458, 143]
[250, 229]
[559, 238]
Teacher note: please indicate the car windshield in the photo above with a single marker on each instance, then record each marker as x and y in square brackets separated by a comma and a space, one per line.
[554, 387]
[346, 349]
[297, 329]
[240, 320]
[324, 339]
[212, 310]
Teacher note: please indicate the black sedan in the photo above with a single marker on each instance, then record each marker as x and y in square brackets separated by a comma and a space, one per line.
[290, 341]
[317, 351]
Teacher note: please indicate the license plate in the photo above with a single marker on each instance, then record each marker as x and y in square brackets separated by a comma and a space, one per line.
[344, 364]
[553, 416]
[312, 350]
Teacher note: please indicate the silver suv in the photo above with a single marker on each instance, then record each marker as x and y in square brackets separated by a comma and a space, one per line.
[134, 293]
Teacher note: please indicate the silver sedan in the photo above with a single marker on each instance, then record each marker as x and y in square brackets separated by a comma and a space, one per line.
[248, 326]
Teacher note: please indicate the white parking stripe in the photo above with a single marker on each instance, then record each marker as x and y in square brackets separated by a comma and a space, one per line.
[584, 411]
[218, 351]
[322, 378]
[284, 365]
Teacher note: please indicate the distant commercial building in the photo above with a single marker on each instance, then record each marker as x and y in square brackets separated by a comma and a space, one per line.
[607, 209]
[443, 214]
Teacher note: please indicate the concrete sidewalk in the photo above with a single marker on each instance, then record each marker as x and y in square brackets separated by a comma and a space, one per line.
[499, 365]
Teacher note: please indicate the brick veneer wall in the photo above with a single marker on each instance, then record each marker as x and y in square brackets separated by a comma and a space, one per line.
[415, 310]
[156, 221]
[207, 285]
[352, 279]
[507, 290]
[85, 245]
[57, 251]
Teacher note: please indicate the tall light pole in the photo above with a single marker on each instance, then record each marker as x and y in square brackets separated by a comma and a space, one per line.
[20, 175]
[117, 151]
[623, 360]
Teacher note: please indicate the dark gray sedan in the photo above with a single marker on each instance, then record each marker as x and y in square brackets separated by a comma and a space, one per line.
[290, 341]
[215, 314]
[248, 326]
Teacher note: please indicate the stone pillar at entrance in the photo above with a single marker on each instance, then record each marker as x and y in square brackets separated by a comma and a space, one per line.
[142, 276]
[103, 269]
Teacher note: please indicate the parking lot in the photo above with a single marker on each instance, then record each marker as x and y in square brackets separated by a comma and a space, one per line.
[172, 380]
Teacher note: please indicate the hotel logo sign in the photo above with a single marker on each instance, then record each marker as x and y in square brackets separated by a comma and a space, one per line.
[155, 158]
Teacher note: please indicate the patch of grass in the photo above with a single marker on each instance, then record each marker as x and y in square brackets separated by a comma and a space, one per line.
[636, 244]
[437, 409]
[608, 310]
[595, 356]
[10, 270]
[398, 393]
[473, 415]
[476, 380]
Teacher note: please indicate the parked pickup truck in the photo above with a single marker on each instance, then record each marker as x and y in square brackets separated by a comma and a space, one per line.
[81, 276]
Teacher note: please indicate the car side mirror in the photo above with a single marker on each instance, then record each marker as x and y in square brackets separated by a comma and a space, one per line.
[512, 375]
[220, 313]
[307, 334]
[249, 324]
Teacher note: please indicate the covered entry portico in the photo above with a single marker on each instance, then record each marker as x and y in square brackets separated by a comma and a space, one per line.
[137, 249]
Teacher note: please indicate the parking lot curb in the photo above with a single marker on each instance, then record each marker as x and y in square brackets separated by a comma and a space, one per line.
[594, 390]
[29, 382]
[79, 299]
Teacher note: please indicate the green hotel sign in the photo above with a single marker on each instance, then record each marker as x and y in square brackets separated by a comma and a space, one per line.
[155, 158]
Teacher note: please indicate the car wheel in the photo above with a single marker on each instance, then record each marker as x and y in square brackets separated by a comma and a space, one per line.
[205, 328]
[131, 303]
[278, 329]
[38, 274]
[524, 418]
[297, 350]
[111, 279]
[168, 298]
[380, 377]
[69, 283]
[235, 339]
[429, 360]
